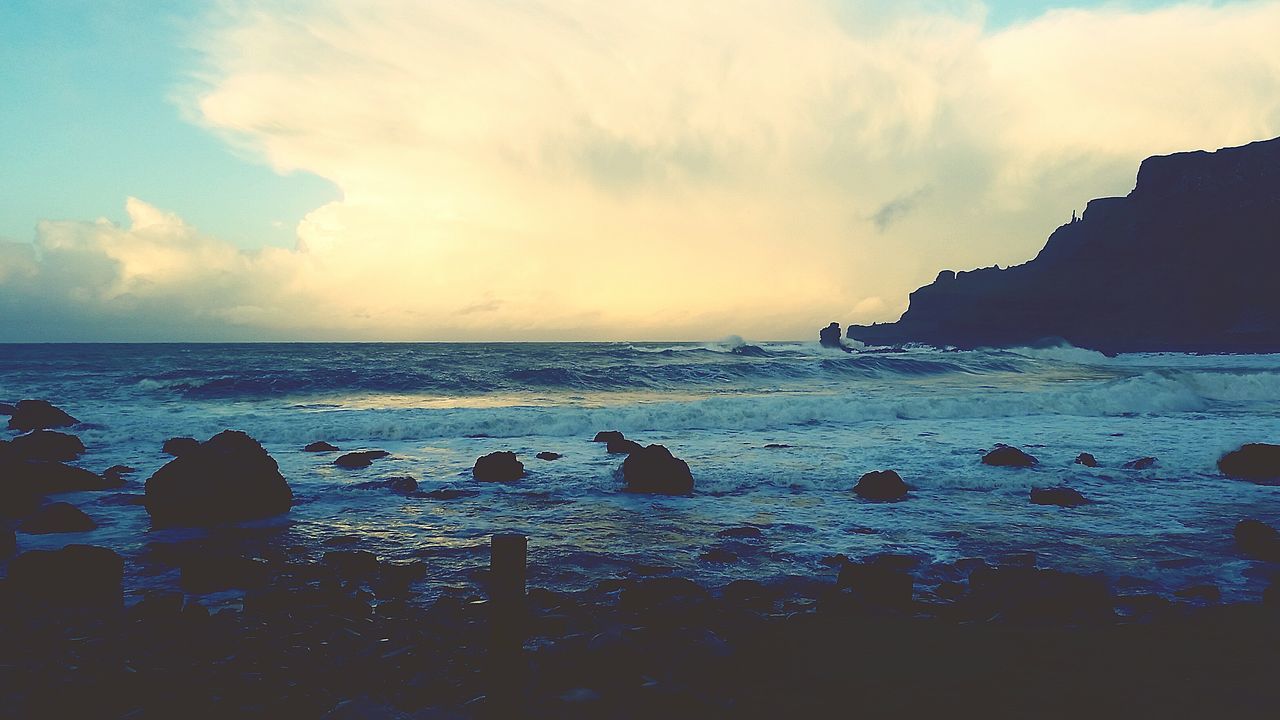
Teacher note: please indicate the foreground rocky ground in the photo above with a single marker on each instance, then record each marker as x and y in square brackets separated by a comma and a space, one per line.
[348, 638]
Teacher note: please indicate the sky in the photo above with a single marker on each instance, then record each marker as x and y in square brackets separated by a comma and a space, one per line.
[573, 170]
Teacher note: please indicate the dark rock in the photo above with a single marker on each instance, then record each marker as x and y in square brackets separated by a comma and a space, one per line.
[622, 446]
[838, 560]
[47, 445]
[320, 446]
[38, 415]
[397, 485]
[77, 575]
[548, 456]
[876, 584]
[501, 466]
[1258, 539]
[949, 590]
[1006, 456]
[395, 577]
[210, 572]
[1086, 460]
[227, 478]
[179, 446]
[1206, 593]
[829, 337]
[58, 517]
[45, 478]
[718, 555]
[359, 459]
[605, 436]
[6, 409]
[1256, 462]
[158, 606]
[352, 564]
[655, 470]
[1183, 263]
[1026, 593]
[1140, 463]
[881, 485]
[340, 540]
[8, 541]
[116, 473]
[745, 531]
[777, 446]
[650, 593]
[1060, 496]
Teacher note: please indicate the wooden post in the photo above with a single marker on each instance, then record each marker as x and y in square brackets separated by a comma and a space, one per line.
[507, 553]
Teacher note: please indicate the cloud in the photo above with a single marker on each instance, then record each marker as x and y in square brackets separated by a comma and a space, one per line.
[551, 169]
[897, 208]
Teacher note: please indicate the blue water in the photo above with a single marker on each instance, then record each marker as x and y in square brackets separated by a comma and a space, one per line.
[929, 414]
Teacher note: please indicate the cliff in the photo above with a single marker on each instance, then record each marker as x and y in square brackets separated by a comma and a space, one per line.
[1187, 261]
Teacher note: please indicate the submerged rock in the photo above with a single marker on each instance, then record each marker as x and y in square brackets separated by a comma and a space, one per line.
[1255, 462]
[548, 456]
[881, 485]
[1086, 460]
[59, 517]
[116, 473]
[46, 445]
[398, 485]
[1140, 464]
[8, 541]
[45, 478]
[39, 415]
[228, 478]
[352, 564]
[179, 446]
[655, 470]
[501, 466]
[320, 446]
[447, 494]
[1007, 456]
[77, 575]
[1258, 539]
[1060, 496]
[744, 532]
[360, 459]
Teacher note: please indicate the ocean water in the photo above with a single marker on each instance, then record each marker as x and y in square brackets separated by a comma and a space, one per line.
[776, 435]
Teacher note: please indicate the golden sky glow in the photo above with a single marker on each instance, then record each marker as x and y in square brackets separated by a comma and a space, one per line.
[648, 170]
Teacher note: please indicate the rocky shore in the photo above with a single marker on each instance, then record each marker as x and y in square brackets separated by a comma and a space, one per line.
[254, 627]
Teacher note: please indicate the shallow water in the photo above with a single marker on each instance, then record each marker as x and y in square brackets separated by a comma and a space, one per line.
[928, 414]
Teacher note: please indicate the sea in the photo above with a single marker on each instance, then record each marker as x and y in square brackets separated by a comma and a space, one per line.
[776, 435]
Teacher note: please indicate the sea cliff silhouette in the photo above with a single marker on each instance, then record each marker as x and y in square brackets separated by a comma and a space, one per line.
[1187, 261]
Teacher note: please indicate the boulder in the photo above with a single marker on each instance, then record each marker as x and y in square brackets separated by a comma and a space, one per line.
[359, 459]
[605, 436]
[655, 470]
[1007, 456]
[447, 493]
[829, 337]
[881, 485]
[46, 445]
[1256, 462]
[6, 408]
[549, 456]
[502, 466]
[320, 446]
[1061, 496]
[227, 478]
[179, 446]
[115, 474]
[1140, 464]
[1086, 460]
[38, 415]
[38, 478]
[1258, 539]
[719, 556]
[77, 575]
[59, 517]
[622, 446]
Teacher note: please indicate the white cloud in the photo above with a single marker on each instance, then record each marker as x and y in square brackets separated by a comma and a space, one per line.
[553, 168]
